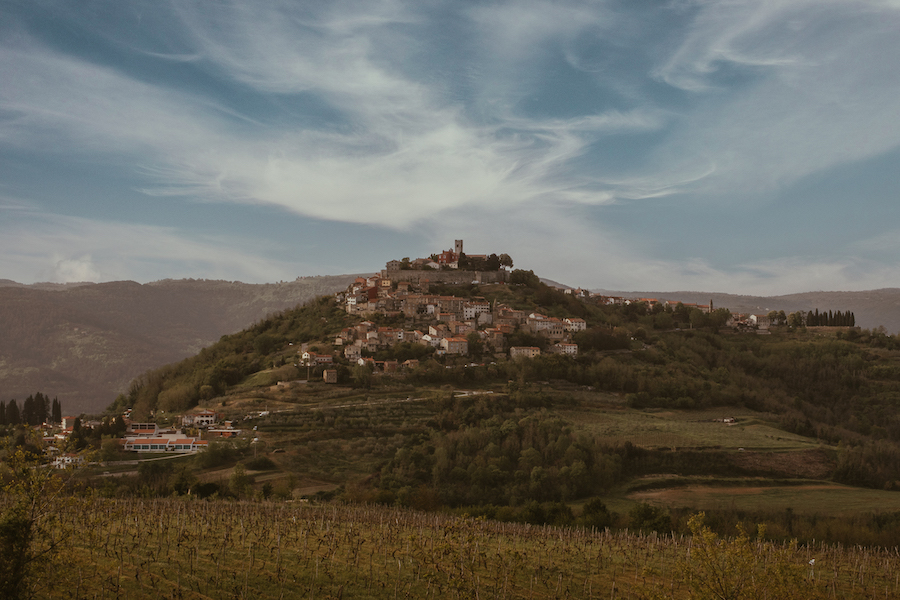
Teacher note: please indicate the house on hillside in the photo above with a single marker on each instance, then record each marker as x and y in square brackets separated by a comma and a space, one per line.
[455, 345]
[67, 460]
[760, 321]
[574, 324]
[565, 349]
[311, 358]
[204, 418]
[524, 352]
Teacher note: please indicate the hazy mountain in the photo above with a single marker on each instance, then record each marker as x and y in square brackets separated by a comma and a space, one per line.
[872, 308]
[85, 342]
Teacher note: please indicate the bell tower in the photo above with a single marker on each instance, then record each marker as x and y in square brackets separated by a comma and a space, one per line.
[458, 247]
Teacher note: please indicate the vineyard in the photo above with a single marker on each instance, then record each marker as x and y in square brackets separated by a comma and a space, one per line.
[172, 548]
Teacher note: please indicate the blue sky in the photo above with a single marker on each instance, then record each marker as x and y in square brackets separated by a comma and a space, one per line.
[745, 147]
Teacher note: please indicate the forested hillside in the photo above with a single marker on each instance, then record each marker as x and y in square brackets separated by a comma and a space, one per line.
[527, 429]
[84, 343]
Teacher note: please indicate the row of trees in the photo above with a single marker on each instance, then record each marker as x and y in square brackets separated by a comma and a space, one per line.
[813, 318]
[492, 262]
[489, 263]
[35, 410]
[830, 319]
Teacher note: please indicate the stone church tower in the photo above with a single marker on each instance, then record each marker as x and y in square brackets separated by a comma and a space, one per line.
[457, 247]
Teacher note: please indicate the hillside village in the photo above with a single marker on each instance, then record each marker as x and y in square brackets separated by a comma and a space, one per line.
[446, 323]
[406, 303]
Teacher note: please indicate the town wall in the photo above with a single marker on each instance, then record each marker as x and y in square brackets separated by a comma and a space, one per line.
[450, 276]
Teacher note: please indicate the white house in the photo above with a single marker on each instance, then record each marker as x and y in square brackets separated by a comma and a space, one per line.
[204, 418]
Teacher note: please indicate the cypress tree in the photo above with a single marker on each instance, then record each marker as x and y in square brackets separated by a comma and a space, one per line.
[27, 415]
[12, 413]
[56, 412]
[2, 413]
[41, 408]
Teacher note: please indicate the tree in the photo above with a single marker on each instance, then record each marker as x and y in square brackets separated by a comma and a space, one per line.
[681, 313]
[698, 318]
[475, 344]
[506, 261]
[12, 413]
[42, 407]
[109, 450]
[527, 278]
[264, 344]
[650, 518]
[743, 569]
[32, 537]
[239, 482]
[56, 412]
[719, 317]
[595, 514]
[28, 413]
[361, 376]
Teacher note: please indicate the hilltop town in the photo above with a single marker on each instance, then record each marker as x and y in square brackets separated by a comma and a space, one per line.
[449, 324]
[463, 310]
[446, 323]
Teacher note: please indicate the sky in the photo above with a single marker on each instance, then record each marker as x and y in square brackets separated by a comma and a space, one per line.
[747, 147]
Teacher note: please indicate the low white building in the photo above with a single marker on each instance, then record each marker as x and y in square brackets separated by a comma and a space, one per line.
[761, 321]
[565, 348]
[204, 418]
[169, 443]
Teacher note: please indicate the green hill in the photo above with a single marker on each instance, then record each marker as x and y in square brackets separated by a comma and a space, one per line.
[659, 397]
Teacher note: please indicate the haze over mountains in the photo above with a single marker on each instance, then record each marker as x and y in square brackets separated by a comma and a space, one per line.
[872, 308]
[85, 343]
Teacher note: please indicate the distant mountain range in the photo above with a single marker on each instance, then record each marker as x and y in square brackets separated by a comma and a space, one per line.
[84, 343]
[874, 308]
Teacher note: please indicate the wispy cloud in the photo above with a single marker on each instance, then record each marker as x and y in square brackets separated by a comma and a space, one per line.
[786, 89]
[46, 247]
[403, 115]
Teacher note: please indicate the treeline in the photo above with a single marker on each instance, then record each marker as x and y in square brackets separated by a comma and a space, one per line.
[491, 262]
[830, 319]
[36, 409]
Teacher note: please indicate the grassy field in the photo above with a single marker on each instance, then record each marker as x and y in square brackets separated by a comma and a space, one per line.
[687, 429]
[822, 498]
